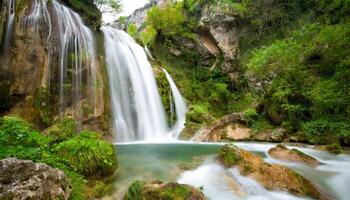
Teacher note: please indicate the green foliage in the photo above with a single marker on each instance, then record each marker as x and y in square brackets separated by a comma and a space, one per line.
[63, 130]
[168, 21]
[135, 191]
[250, 115]
[148, 35]
[132, 30]
[89, 154]
[17, 132]
[115, 4]
[325, 131]
[19, 139]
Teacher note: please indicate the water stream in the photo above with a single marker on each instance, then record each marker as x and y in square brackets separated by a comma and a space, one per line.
[195, 164]
[11, 14]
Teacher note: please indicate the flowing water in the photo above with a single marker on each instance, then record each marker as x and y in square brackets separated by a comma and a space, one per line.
[137, 109]
[180, 107]
[73, 43]
[10, 4]
[195, 164]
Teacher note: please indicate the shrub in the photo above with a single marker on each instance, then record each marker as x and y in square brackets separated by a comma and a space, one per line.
[89, 154]
[323, 131]
[17, 132]
[250, 115]
[62, 131]
[135, 191]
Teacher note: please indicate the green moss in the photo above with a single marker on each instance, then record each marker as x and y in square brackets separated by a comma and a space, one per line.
[44, 104]
[229, 155]
[175, 192]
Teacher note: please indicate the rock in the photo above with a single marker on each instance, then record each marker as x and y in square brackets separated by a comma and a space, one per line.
[281, 152]
[212, 132]
[237, 132]
[271, 176]
[175, 52]
[219, 25]
[331, 148]
[162, 191]
[23, 179]
[278, 135]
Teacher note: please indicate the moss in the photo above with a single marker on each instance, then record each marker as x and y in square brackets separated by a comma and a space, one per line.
[44, 104]
[334, 148]
[166, 95]
[175, 192]
[229, 155]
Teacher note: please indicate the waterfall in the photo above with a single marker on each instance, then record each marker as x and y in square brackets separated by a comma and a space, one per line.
[76, 40]
[138, 112]
[11, 8]
[72, 43]
[180, 107]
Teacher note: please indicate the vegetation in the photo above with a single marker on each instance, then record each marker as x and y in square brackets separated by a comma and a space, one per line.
[19, 139]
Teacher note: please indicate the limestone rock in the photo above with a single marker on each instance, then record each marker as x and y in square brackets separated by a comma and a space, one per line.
[271, 176]
[281, 152]
[23, 179]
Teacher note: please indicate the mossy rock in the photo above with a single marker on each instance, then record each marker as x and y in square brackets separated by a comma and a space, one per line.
[271, 176]
[331, 148]
[139, 190]
[281, 152]
[229, 155]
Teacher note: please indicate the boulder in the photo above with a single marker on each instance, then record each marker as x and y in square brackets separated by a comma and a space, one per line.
[331, 148]
[271, 176]
[24, 179]
[162, 191]
[281, 152]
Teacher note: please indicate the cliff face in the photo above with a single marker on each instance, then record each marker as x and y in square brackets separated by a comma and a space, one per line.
[42, 81]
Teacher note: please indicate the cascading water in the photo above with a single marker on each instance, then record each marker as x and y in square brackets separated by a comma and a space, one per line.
[180, 107]
[76, 39]
[73, 43]
[10, 25]
[138, 112]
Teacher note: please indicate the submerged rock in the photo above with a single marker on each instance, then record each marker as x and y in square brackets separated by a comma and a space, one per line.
[281, 152]
[271, 176]
[24, 179]
[162, 191]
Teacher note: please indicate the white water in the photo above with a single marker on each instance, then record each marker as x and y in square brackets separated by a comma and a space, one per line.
[180, 107]
[75, 38]
[10, 24]
[73, 43]
[138, 112]
[332, 176]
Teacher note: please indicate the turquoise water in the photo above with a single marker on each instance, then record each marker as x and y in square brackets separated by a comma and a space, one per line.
[196, 164]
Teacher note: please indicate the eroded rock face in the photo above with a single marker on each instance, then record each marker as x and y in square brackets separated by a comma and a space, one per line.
[162, 191]
[23, 179]
[219, 33]
[281, 152]
[271, 176]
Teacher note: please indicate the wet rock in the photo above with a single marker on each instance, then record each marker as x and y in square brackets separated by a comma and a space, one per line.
[278, 135]
[271, 176]
[162, 191]
[281, 152]
[23, 179]
[331, 148]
